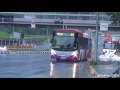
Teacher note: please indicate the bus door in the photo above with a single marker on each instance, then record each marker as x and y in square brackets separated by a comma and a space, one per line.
[89, 48]
[80, 48]
[86, 47]
[77, 44]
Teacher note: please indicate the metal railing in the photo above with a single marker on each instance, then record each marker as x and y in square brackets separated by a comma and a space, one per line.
[37, 20]
[19, 42]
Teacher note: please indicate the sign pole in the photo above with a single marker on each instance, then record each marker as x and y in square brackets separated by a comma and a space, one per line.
[111, 41]
[96, 42]
[13, 32]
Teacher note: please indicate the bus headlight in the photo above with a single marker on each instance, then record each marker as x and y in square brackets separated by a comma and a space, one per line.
[74, 53]
[53, 52]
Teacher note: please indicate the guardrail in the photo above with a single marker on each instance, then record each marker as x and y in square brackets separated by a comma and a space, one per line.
[25, 52]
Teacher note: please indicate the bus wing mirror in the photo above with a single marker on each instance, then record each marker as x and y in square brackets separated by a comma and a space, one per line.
[51, 41]
[53, 33]
[76, 35]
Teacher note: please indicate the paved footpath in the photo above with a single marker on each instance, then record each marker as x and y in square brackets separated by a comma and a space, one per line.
[105, 70]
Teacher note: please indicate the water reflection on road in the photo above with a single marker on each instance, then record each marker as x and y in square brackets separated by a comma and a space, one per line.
[23, 65]
[69, 70]
[40, 66]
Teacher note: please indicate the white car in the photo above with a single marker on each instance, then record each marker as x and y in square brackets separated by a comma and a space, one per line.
[108, 55]
[3, 49]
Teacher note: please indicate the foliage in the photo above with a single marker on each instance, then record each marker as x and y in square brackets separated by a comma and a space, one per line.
[115, 17]
[92, 62]
[4, 35]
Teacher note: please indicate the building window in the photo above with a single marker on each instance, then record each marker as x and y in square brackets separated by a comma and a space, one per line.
[93, 18]
[100, 13]
[40, 16]
[73, 17]
[84, 12]
[49, 16]
[17, 16]
[100, 18]
[84, 18]
[50, 12]
[105, 18]
[61, 17]
[73, 12]
[93, 13]
[61, 12]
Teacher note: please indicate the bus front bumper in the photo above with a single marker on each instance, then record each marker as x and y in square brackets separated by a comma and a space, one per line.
[70, 58]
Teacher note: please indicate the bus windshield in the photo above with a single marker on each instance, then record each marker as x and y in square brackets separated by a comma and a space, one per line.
[63, 42]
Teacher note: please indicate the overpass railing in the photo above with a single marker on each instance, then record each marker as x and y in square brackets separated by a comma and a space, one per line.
[65, 21]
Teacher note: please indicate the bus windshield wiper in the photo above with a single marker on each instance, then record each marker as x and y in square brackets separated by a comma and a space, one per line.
[61, 45]
[68, 45]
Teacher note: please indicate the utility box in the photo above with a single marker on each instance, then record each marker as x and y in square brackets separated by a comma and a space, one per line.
[16, 35]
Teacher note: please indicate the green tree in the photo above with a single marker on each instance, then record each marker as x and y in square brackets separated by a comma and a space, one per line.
[115, 17]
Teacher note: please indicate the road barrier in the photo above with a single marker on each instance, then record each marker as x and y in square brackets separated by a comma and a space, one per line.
[4, 52]
[34, 52]
[25, 52]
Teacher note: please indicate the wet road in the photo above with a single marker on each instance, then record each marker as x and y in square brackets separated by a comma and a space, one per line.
[23, 65]
[69, 70]
[40, 66]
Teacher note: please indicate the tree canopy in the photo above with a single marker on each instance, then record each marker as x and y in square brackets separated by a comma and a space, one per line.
[115, 17]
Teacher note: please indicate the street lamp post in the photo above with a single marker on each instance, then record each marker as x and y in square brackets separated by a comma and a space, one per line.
[13, 32]
[47, 35]
[96, 44]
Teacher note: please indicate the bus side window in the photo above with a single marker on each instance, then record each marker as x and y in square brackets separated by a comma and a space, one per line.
[83, 43]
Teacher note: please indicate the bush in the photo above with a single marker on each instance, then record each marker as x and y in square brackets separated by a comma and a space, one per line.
[92, 62]
[4, 35]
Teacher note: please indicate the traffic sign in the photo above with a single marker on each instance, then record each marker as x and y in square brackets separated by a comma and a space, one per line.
[103, 26]
[33, 25]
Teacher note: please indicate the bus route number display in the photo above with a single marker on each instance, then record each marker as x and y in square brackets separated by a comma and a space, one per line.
[65, 34]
